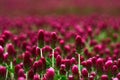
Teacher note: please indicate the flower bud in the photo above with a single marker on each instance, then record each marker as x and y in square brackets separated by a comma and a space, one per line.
[11, 51]
[66, 49]
[104, 77]
[118, 63]
[44, 63]
[21, 78]
[53, 39]
[7, 34]
[46, 50]
[38, 51]
[30, 74]
[68, 64]
[108, 65]
[79, 43]
[33, 51]
[84, 73]
[84, 63]
[118, 75]
[38, 66]
[97, 48]
[91, 77]
[50, 74]
[62, 44]
[89, 64]
[73, 60]
[21, 73]
[2, 42]
[99, 64]
[75, 70]
[27, 62]
[36, 77]
[2, 72]
[17, 68]
[41, 34]
[62, 69]
[93, 42]
[58, 61]
[1, 54]
[70, 77]
[93, 74]
[5, 57]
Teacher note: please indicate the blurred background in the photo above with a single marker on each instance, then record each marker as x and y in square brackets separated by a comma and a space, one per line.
[58, 7]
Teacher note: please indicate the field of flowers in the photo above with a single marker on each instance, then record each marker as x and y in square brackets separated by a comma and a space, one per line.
[60, 48]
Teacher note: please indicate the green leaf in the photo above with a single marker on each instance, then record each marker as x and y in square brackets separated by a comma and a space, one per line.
[63, 78]
[60, 77]
[81, 67]
[101, 36]
[18, 61]
[48, 62]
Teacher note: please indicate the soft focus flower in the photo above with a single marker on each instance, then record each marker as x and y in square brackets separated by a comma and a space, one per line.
[50, 74]
[2, 72]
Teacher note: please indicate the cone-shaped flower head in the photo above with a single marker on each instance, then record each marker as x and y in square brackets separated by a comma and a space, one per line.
[84, 72]
[108, 65]
[2, 42]
[21, 78]
[104, 77]
[79, 43]
[53, 39]
[38, 66]
[7, 34]
[41, 34]
[36, 77]
[11, 51]
[1, 54]
[21, 73]
[27, 63]
[50, 74]
[2, 72]
[62, 44]
[118, 75]
[31, 74]
[70, 77]
[75, 70]
[62, 69]
[58, 61]
[91, 77]
[99, 63]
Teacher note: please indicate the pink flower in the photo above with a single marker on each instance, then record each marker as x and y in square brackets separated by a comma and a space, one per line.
[50, 74]
[79, 43]
[104, 77]
[53, 39]
[36, 77]
[41, 34]
[2, 72]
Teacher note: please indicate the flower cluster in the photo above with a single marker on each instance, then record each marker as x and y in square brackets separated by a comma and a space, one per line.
[60, 48]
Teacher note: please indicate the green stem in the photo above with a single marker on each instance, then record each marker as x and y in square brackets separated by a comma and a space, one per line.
[66, 74]
[58, 72]
[26, 75]
[41, 52]
[53, 58]
[12, 75]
